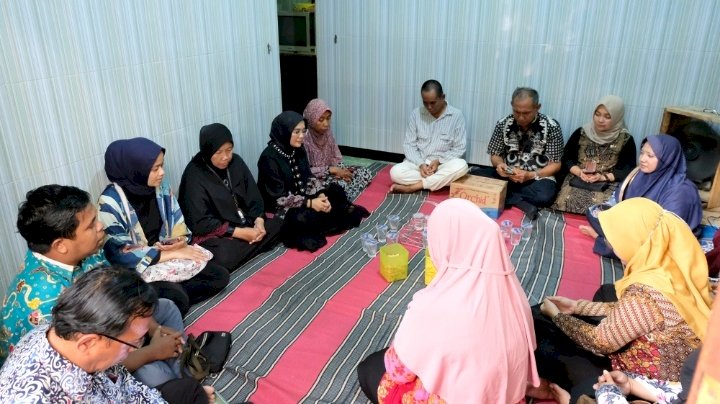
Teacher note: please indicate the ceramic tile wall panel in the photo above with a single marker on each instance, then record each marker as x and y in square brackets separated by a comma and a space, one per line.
[74, 76]
[374, 55]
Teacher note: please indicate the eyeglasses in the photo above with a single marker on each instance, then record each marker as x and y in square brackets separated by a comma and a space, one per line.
[300, 131]
[121, 341]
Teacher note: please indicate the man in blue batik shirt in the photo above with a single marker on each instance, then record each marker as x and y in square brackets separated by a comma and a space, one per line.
[64, 238]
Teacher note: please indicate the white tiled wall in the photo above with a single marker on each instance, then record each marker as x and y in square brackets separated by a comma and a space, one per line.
[374, 55]
[75, 75]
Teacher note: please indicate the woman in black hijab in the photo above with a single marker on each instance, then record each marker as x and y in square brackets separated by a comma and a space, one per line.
[146, 229]
[291, 191]
[222, 203]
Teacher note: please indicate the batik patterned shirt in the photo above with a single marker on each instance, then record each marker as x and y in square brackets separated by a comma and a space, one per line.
[654, 338]
[37, 373]
[529, 150]
[31, 296]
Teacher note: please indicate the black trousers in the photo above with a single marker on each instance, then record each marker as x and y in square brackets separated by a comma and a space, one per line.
[183, 391]
[370, 371]
[231, 253]
[561, 361]
[537, 193]
[206, 284]
[305, 229]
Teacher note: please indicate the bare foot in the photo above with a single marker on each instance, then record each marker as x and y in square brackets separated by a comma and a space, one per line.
[210, 391]
[541, 392]
[560, 395]
[588, 231]
[406, 189]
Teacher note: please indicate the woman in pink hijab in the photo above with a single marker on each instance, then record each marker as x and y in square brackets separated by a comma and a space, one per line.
[324, 155]
[467, 337]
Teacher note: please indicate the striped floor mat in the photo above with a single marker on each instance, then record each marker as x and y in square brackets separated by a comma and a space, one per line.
[302, 321]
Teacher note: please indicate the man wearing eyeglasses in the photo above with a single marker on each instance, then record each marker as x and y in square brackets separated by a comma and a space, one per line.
[434, 145]
[64, 238]
[73, 359]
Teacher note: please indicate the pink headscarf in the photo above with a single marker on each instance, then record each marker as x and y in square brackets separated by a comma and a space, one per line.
[321, 148]
[469, 335]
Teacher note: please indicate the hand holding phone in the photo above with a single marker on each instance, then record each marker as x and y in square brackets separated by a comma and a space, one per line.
[169, 241]
[590, 167]
[509, 170]
[172, 243]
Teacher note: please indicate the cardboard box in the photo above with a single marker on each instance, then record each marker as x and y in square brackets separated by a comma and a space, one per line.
[487, 193]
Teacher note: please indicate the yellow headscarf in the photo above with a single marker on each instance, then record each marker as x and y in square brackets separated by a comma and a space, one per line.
[660, 251]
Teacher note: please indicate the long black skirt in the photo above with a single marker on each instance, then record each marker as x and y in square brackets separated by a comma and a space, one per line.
[306, 229]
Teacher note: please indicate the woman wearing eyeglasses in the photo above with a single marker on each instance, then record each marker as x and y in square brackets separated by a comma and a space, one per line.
[311, 211]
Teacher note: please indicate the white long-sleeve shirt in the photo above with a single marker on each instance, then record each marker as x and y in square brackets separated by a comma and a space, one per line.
[430, 138]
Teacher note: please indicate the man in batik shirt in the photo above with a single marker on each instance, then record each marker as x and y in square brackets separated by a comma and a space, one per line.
[64, 238]
[95, 323]
[525, 150]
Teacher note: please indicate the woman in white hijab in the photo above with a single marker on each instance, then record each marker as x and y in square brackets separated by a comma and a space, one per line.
[597, 157]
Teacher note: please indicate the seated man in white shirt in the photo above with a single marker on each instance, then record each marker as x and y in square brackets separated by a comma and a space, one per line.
[434, 145]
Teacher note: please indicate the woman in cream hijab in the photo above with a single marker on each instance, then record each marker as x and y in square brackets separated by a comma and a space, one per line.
[598, 156]
[468, 336]
[662, 312]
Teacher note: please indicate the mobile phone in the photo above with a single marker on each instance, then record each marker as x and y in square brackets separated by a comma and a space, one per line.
[590, 167]
[169, 241]
[509, 170]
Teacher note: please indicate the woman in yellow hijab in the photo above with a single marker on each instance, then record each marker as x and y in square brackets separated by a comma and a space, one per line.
[662, 311]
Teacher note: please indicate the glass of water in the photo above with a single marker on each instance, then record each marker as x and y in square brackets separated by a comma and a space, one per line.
[363, 237]
[527, 228]
[505, 227]
[370, 246]
[381, 229]
[515, 235]
[392, 236]
[393, 221]
[418, 221]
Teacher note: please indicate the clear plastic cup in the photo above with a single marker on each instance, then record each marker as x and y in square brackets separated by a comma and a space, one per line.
[393, 222]
[381, 230]
[370, 246]
[419, 221]
[363, 237]
[527, 228]
[516, 234]
[505, 227]
[392, 236]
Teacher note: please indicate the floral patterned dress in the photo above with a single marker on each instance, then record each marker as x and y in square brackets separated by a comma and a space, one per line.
[400, 385]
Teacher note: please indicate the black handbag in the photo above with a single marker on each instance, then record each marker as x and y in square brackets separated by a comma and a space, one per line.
[205, 354]
[577, 182]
